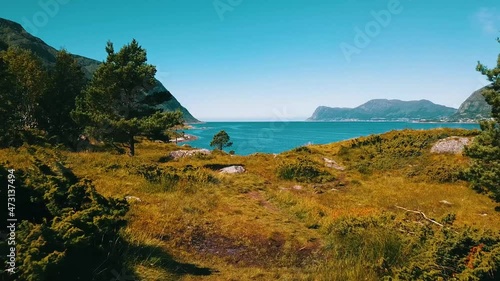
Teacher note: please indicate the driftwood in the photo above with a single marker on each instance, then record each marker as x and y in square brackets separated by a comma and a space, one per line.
[421, 213]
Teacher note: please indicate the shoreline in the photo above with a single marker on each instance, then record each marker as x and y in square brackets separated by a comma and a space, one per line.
[339, 121]
[185, 138]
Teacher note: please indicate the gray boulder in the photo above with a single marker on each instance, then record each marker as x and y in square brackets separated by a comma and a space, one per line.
[332, 164]
[232, 170]
[451, 145]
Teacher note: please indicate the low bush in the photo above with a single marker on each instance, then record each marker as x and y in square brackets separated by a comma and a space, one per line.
[151, 172]
[303, 170]
[412, 248]
[169, 178]
[302, 149]
[440, 170]
[396, 150]
[68, 231]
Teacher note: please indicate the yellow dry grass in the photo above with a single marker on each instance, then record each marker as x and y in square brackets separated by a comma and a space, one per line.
[255, 226]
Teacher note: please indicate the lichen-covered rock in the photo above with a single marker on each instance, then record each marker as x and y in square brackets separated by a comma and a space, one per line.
[452, 145]
[232, 170]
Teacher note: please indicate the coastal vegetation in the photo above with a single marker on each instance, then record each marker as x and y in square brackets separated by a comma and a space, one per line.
[408, 214]
[67, 229]
[56, 104]
[379, 207]
[485, 151]
[116, 105]
[221, 140]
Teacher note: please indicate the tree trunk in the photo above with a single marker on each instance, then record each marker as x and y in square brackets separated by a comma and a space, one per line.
[132, 145]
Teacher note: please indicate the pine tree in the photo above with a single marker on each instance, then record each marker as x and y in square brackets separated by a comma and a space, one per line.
[221, 140]
[485, 151]
[66, 81]
[117, 106]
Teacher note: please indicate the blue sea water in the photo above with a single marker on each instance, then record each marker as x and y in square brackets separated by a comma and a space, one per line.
[276, 137]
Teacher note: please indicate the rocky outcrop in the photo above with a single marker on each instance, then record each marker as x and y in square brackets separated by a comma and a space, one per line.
[451, 145]
[188, 153]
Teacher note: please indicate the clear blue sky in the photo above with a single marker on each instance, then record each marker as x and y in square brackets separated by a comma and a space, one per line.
[280, 59]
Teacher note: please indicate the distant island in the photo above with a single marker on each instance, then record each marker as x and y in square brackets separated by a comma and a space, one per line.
[384, 109]
[473, 109]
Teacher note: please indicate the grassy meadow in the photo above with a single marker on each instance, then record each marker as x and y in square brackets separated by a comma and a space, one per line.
[395, 211]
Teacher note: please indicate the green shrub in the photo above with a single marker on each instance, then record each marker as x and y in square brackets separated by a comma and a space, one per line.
[465, 254]
[396, 150]
[441, 170]
[303, 170]
[152, 173]
[368, 245]
[302, 149]
[412, 248]
[188, 178]
[66, 228]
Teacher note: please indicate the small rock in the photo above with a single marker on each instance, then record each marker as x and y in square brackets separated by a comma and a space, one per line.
[133, 199]
[297, 187]
[232, 170]
[445, 202]
[332, 164]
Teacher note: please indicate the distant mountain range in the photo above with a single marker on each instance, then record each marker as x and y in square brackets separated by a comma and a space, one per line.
[13, 34]
[473, 109]
[383, 109]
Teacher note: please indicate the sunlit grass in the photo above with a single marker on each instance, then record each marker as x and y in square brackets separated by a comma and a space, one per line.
[257, 226]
